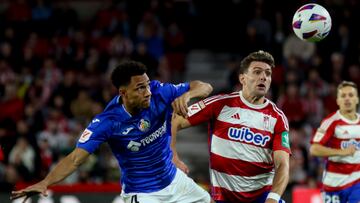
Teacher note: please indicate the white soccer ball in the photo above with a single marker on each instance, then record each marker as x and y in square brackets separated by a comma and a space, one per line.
[311, 22]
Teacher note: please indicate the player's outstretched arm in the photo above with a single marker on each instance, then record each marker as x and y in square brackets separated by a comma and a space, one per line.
[178, 122]
[281, 178]
[197, 89]
[63, 169]
[322, 151]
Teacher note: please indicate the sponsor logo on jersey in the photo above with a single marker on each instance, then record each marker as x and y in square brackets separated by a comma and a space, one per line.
[85, 136]
[236, 116]
[134, 146]
[144, 125]
[127, 130]
[246, 135]
[346, 144]
[285, 139]
[153, 136]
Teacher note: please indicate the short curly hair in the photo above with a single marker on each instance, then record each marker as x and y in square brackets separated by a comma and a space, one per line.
[124, 71]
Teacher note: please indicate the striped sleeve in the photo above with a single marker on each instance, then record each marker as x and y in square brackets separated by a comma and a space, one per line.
[325, 131]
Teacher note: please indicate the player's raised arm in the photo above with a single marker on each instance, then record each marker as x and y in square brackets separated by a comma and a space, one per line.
[63, 169]
[281, 178]
[197, 89]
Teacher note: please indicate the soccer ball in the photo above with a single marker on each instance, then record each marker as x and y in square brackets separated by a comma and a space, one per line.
[311, 22]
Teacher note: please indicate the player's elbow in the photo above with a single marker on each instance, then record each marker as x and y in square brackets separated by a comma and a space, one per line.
[314, 151]
[209, 88]
[206, 88]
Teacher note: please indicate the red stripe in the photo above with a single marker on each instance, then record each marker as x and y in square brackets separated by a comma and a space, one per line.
[238, 167]
[79, 187]
[331, 189]
[222, 194]
[342, 168]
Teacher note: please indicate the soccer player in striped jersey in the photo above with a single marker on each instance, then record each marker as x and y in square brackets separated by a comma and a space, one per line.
[338, 140]
[136, 125]
[248, 137]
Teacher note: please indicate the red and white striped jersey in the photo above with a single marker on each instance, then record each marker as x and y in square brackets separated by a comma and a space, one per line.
[338, 132]
[242, 138]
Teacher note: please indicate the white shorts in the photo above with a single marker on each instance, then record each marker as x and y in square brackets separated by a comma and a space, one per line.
[181, 190]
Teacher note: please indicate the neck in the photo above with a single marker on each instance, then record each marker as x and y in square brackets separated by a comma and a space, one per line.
[253, 99]
[351, 115]
[131, 110]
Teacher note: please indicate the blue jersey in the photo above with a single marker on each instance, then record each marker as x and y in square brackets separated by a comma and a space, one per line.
[140, 143]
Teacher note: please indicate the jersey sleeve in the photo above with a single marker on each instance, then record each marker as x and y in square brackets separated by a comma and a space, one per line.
[201, 111]
[281, 134]
[323, 133]
[169, 91]
[95, 134]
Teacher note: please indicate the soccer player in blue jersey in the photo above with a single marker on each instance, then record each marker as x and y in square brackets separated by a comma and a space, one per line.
[137, 126]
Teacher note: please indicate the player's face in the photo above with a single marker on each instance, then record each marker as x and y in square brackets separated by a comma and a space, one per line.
[347, 99]
[256, 81]
[137, 94]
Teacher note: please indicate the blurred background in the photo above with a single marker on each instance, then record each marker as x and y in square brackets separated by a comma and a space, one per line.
[56, 57]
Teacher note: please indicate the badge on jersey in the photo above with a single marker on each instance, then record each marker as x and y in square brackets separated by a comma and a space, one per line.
[144, 125]
[85, 136]
[266, 122]
[193, 109]
[285, 139]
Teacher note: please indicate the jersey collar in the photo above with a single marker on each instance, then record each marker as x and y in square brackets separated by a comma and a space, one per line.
[254, 106]
[347, 120]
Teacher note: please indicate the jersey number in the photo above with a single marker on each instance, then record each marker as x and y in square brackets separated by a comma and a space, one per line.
[134, 199]
[332, 199]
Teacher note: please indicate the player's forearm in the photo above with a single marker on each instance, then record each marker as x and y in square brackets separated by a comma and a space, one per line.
[322, 151]
[64, 168]
[281, 178]
[199, 89]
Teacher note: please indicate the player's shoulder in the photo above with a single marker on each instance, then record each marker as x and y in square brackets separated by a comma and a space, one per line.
[159, 87]
[330, 119]
[276, 110]
[221, 98]
[113, 111]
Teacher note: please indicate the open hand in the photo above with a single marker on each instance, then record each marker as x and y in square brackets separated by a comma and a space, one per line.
[38, 188]
[180, 104]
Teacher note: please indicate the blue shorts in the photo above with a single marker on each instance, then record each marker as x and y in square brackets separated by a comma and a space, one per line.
[261, 199]
[348, 195]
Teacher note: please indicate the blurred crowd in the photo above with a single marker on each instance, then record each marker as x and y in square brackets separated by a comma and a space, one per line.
[55, 66]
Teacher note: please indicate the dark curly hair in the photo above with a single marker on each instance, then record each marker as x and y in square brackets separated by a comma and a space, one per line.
[124, 71]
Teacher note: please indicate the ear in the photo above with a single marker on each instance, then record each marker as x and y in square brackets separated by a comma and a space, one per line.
[241, 78]
[337, 102]
[122, 92]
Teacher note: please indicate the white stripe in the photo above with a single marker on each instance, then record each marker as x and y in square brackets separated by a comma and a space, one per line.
[338, 180]
[347, 131]
[240, 183]
[240, 151]
[318, 136]
[248, 118]
[320, 132]
[221, 98]
[211, 98]
[283, 117]
[354, 159]
[327, 122]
